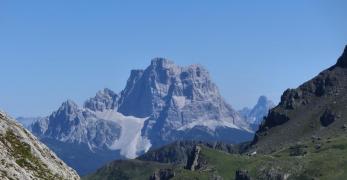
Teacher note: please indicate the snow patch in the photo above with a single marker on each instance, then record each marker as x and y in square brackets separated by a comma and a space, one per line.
[180, 101]
[131, 143]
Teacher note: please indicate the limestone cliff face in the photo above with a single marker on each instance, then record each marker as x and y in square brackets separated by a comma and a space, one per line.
[104, 100]
[73, 124]
[178, 100]
[23, 157]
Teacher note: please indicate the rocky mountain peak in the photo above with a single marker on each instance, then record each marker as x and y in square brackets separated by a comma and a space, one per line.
[255, 115]
[342, 61]
[161, 62]
[265, 103]
[69, 107]
[103, 100]
[149, 91]
[146, 87]
[105, 93]
[262, 100]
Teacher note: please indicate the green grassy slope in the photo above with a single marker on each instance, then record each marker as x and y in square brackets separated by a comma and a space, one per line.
[327, 162]
[322, 159]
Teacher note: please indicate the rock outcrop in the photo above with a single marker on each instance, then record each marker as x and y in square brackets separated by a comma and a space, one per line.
[23, 157]
[163, 174]
[327, 118]
[193, 160]
[242, 175]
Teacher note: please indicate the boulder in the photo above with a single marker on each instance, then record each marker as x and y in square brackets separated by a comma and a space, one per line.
[242, 175]
[328, 118]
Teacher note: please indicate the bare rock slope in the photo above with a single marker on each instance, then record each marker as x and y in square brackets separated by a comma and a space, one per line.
[24, 157]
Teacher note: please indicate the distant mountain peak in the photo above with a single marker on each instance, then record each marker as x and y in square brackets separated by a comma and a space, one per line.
[262, 100]
[342, 61]
[104, 92]
[160, 61]
[68, 106]
[103, 100]
[255, 115]
[68, 103]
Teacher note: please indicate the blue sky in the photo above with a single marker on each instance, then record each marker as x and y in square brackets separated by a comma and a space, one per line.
[51, 51]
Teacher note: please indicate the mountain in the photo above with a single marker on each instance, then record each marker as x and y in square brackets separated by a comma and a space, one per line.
[104, 100]
[180, 103]
[303, 137]
[87, 139]
[256, 115]
[315, 109]
[24, 157]
[159, 105]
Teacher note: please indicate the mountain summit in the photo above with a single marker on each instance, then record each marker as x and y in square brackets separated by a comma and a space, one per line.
[159, 105]
[176, 99]
[256, 115]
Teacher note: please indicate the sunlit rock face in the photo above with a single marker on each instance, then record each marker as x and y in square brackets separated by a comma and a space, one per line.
[23, 156]
[178, 101]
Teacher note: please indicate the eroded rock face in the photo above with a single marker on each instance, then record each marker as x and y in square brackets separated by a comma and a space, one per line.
[104, 100]
[290, 98]
[274, 119]
[193, 160]
[176, 99]
[75, 125]
[23, 157]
